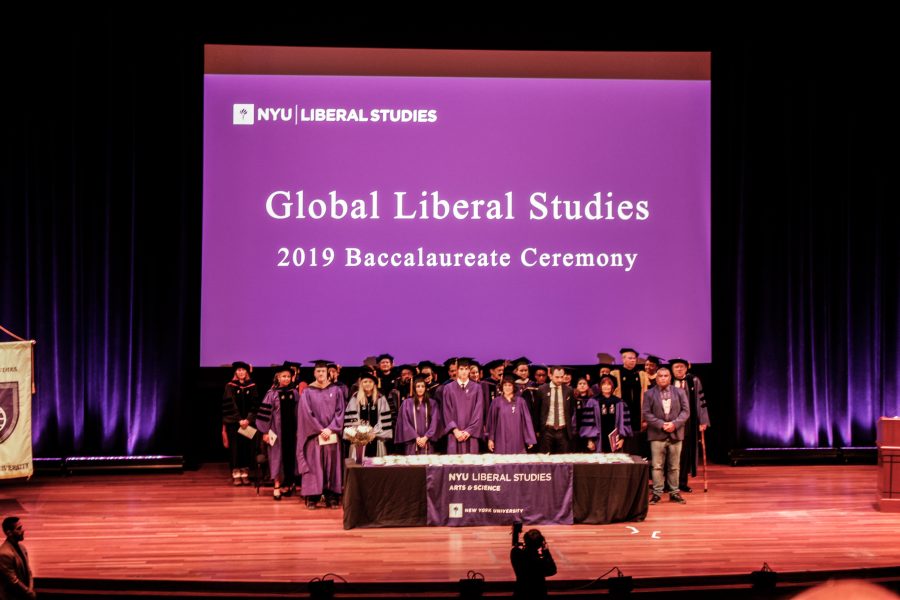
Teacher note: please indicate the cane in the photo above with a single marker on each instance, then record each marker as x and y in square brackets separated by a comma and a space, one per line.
[703, 446]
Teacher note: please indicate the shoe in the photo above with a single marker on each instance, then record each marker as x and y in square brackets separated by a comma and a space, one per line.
[245, 477]
[654, 498]
[333, 502]
[289, 491]
[686, 489]
[310, 504]
[677, 498]
[236, 477]
[276, 494]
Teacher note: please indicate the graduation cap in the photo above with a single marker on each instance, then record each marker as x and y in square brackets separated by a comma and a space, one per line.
[287, 366]
[497, 362]
[420, 377]
[382, 357]
[624, 350]
[654, 359]
[367, 375]
[581, 375]
[609, 378]
[426, 364]
[517, 362]
[370, 361]
[474, 364]
[569, 370]
[539, 367]
[321, 362]
[410, 368]
[239, 364]
[676, 361]
[450, 361]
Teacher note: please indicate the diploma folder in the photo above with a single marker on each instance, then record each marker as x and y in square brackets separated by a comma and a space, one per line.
[613, 439]
[332, 439]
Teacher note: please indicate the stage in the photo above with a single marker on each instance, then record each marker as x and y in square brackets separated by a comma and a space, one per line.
[195, 526]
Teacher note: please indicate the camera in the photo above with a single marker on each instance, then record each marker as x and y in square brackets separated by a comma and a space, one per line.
[516, 533]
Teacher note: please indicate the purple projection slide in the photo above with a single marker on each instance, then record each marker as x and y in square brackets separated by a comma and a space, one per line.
[345, 216]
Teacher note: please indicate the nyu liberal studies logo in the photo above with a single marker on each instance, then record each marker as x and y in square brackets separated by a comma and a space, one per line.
[456, 510]
[9, 408]
[242, 114]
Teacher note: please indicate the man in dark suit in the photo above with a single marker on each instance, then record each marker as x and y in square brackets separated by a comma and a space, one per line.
[554, 423]
[16, 580]
[691, 449]
[665, 411]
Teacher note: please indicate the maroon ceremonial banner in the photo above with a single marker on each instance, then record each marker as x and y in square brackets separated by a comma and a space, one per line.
[461, 495]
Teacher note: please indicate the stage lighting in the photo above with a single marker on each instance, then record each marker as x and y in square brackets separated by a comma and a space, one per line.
[765, 579]
[620, 586]
[472, 586]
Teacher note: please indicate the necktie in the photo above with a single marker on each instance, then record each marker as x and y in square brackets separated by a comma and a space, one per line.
[556, 405]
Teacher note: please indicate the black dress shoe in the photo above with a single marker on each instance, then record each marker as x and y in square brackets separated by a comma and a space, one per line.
[677, 498]
[311, 504]
[654, 498]
[686, 489]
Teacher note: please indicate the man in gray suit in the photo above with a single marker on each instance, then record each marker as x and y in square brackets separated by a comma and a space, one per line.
[16, 580]
[665, 411]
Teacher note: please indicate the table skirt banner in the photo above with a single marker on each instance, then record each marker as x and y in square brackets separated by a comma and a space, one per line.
[533, 494]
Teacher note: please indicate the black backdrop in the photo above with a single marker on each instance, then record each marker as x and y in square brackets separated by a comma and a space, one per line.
[101, 194]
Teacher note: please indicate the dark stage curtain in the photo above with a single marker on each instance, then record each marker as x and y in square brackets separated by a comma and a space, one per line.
[99, 220]
[806, 274]
[100, 183]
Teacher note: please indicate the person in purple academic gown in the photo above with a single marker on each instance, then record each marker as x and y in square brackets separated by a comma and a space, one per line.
[320, 417]
[599, 415]
[509, 426]
[271, 420]
[419, 421]
[462, 409]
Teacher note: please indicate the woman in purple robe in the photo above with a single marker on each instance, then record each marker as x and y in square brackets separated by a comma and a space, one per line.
[509, 426]
[598, 416]
[275, 421]
[419, 420]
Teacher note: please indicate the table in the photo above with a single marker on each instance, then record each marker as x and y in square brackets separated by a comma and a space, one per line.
[394, 496]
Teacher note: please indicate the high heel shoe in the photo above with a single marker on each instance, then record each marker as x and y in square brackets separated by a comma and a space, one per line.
[276, 494]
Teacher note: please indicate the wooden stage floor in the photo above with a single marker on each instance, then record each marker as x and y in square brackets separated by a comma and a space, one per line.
[196, 526]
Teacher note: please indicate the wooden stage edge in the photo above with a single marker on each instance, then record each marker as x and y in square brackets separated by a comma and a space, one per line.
[196, 527]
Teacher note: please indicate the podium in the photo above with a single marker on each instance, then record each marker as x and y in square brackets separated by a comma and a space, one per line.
[889, 464]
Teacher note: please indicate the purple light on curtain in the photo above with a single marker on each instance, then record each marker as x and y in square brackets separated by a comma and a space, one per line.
[96, 192]
[816, 283]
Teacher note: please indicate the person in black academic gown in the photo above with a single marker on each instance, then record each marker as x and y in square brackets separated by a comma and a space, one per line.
[386, 374]
[632, 383]
[369, 405]
[239, 406]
